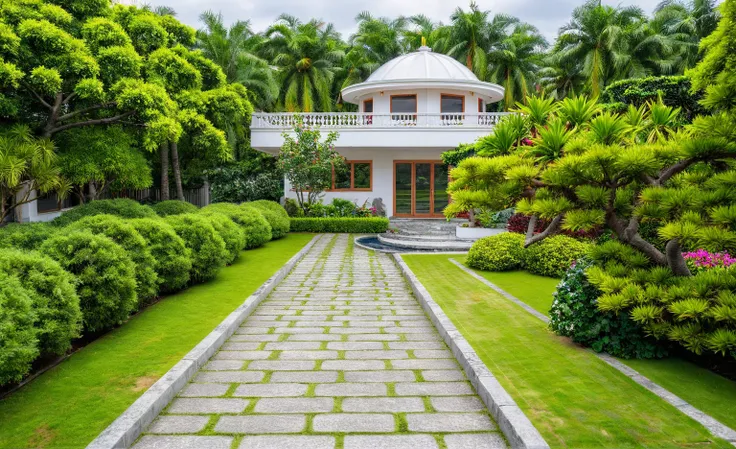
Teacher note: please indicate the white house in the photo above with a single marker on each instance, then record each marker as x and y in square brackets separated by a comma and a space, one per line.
[412, 109]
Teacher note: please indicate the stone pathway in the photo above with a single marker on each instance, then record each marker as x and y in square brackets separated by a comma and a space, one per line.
[340, 355]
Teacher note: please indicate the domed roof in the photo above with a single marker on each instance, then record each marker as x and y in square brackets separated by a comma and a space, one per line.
[422, 69]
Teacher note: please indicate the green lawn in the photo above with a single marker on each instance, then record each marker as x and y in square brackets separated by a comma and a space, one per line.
[575, 399]
[71, 404]
[532, 289]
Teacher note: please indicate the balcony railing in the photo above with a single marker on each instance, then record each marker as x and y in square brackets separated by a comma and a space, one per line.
[342, 120]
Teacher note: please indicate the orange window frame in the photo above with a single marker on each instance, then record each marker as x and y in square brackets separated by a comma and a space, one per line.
[365, 102]
[461, 97]
[480, 105]
[352, 187]
[391, 103]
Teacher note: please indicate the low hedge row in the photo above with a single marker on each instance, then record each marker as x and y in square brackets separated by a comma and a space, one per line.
[370, 225]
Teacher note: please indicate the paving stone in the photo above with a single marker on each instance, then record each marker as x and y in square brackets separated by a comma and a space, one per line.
[443, 375]
[282, 365]
[313, 337]
[353, 422]
[178, 424]
[354, 330]
[271, 390]
[183, 442]
[433, 354]
[254, 424]
[255, 337]
[390, 404]
[448, 422]
[353, 365]
[380, 376]
[252, 330]
[458, 404]
[373, 337]
[308, 355]
[223, 365]
[207, 405]
[288, 442]
[423, 337]
[354, 345]
[433, 388]
[299, 330]
[423, 364]
[416, 345]
[373, 355]
[229, 376]
[305, 376]
[474, 441]
[390, 442]
[350, 389]
[204, 390]
[242, 355]
[240, 346]
[294, 405]
[293, 345]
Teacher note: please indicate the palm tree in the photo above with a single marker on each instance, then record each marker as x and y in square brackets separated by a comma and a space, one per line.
[689, 22]
[435, 34]
[234, 50]
[597, 37]
[307, 57]
[379, 38]
[651, 51]
[560, 78]
[514, 62]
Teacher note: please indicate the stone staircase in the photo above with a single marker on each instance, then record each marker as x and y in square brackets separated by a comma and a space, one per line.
[425, 235]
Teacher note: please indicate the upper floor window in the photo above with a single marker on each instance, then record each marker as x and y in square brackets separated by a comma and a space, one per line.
[403, 104]
[481, 105]
[368, 106]
[452, 104]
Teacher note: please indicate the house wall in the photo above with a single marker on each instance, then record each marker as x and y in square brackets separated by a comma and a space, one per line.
[28, 212]
[383, 174]
[428, 100]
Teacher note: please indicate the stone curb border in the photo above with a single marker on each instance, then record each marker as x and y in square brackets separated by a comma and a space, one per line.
[714, 426]
[514, 424]
[127, 427]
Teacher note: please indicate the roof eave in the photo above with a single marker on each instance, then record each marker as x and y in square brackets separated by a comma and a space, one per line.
[491, 92]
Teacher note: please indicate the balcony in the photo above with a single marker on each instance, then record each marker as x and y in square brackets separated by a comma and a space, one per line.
[368, 130]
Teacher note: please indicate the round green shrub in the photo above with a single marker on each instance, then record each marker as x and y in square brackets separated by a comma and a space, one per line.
[232, 234]
[499, 252]
[174, 207]
[125, 235]
[105, 276]
[25, 236]
[173, 258]
[53, 295]
[276, 216]
[121, 207]
[209, 253]
[18, 345]
[554, 255]
[257, 230]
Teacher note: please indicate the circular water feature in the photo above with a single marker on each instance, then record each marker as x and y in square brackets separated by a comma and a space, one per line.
[373, 243]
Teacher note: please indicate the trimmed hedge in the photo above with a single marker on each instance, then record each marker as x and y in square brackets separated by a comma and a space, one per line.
[121, 207]
[173, 258]
[500, 252]
[554, 255]
[54, 299]
[209, 253]
[25, 236]
[370, 225]
[174, 207]
[676, 92]
[105, 276]
[256, 227]
[276, 216]
[232, 234]
[18, 345]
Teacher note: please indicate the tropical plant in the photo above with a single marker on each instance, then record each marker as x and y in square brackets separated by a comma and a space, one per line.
[578, 110]
[662, 120]
[380, 38]
[690, 21]
[538, 109]
[552, 139]
[608, 128]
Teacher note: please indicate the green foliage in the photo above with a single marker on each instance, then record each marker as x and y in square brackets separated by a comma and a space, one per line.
[276, 216]
[208, 250]
[173, 260]
[232, 234]
[371, 225]
[292, 208]
[454, 157]
[538, 109]
[500, 252]
[121, 207]
[58, 319]
[251, 180]
[26, 236]
[19, 345]
[578, 110]
[675, 91]
[174, 207]
[575, 314]
[125, 235]
[554, 256]
[105, 276]
[254, 224]
[552, 139]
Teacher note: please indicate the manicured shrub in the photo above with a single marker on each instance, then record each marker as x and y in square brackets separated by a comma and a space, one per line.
[256, 227]
[121, 207]
[174, 207]
[553, 256]
[25, 236]
[18, 345]
[500, 252]
[675, 90]
[173, 258]
[105, 276]
[232, 234]
[54, 298]
[276, 216]
[575, 314]
[371, 225]
[292, 208]
[125, 235]
[209, 253]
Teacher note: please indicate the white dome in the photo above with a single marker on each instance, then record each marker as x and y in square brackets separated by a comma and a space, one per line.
[422, 69]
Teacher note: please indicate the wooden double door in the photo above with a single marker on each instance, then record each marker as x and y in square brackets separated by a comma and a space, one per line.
[420, 188]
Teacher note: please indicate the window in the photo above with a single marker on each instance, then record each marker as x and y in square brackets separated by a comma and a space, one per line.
[452, 104]
[481, 106]
[50, 203]
[358, 176]
[368, 106]
[403, 104]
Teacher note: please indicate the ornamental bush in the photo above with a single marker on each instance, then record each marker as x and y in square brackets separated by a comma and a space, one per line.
[53, 295]
[254, 224]
[105, 276]
[553, 256]
[25, 236]
[173, 258]
[121, 207]
[370, 225]
[575, 314]
[676, 91]
[174, 207]
[18, 345]
[276, 216]
[208, 250]
[500, 252]
[232, 234]
[125, 235]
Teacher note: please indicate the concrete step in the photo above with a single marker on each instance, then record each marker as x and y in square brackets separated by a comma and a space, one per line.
[420, 237]
[431, 245]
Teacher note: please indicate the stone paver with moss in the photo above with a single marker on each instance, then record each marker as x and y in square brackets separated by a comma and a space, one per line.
[340, 355]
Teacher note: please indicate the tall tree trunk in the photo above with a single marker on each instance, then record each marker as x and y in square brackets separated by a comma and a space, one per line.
[177, 171]
[675, 259]
[92, 195]
[164, 171]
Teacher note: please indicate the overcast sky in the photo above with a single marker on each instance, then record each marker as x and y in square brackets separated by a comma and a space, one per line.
[547, 15]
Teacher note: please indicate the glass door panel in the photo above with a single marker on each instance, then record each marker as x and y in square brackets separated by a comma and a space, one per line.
[423, 189]
[441, 177]
[403, 189]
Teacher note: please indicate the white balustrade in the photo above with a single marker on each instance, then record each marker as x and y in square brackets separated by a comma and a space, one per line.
[340, 120]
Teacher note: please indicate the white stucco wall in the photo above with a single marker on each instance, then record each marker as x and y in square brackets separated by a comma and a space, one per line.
[28, 212]
[428, 100]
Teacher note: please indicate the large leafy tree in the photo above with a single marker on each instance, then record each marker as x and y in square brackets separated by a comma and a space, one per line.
[379, 37]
